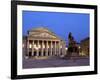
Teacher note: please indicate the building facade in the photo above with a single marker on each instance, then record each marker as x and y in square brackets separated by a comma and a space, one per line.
[85, 47]
[42, 42]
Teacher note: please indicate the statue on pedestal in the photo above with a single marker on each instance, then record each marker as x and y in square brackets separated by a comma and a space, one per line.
[72, 46]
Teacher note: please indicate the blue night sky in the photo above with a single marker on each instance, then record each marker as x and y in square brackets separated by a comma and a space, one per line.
[59, 23]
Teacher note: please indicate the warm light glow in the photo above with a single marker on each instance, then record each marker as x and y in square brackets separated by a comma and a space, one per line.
[60, 46]
[36, 48]
[66, 48]
[30, 45]
[48, 46]
[79, 47]
[34, 45]
[39, 46]
[43, 46]
[82, 54]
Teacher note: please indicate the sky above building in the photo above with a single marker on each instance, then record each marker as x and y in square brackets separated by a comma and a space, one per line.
[59, 23]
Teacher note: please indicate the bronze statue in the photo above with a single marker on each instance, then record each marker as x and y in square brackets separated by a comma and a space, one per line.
[72, 46]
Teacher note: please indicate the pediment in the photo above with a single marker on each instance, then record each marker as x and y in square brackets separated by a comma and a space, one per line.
[43, 35]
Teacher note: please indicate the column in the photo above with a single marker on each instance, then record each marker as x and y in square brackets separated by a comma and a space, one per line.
[33, 48]
[59, 48]
[51, 48]
[42, 47]
[28, 47]
[37, 54]
[55, 48]
[47, 48]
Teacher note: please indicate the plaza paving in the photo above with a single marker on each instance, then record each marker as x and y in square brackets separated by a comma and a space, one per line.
[55, 62]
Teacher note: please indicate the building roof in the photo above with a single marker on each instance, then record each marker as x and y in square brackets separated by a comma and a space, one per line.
[44, 29]
[85, 39]
[39, 29]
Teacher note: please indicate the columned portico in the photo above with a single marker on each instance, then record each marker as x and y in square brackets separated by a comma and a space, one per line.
[44, 44]
[39, 47]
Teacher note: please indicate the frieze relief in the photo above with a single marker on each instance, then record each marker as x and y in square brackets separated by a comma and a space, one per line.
[43, 35]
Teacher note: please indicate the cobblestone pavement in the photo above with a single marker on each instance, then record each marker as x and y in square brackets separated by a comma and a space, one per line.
[54, 62]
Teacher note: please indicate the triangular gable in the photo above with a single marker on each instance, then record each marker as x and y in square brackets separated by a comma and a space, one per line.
[43, 35]
[42, 32]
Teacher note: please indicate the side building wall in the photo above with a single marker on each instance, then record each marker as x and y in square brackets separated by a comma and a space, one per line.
[85, 47]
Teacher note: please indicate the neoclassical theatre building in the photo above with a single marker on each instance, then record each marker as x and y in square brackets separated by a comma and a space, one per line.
[41, 42]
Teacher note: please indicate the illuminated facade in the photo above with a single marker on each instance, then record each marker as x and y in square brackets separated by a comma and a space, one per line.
[85, 47]
[41, 42]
